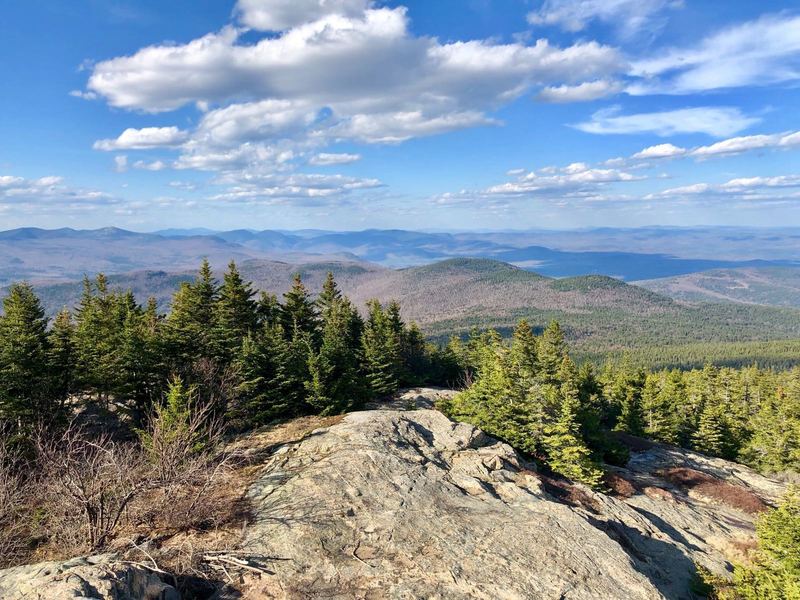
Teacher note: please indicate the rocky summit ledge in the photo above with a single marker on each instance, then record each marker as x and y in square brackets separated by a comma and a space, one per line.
[396, 503]
[93, 578]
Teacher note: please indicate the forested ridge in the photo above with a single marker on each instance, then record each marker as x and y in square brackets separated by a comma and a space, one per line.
[242, 360]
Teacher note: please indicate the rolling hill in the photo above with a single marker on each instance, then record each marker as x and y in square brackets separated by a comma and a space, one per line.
[600, 314]
[772, 286]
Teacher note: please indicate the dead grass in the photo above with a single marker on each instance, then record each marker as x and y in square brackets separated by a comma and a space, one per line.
[619, 486]
[567, 492]
[707, 486]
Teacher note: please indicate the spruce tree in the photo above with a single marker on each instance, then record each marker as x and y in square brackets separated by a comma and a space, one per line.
[334, 385]
[567, 453]
[381, 351]
[24, 347]
[298, 314]
[234, 315]
[62, 359]
[190, 322]
[263, 394]
[329, 295]
[709, 438]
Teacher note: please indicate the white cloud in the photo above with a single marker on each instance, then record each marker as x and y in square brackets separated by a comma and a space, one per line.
[354, 65]
[278, 15]
[576, 179]
[48, 191]
[278, 189]
[584, 92]
[714, 121]
[144, 139]
[660, 151]
[327, 159]
[121, 163]
[759, 188]
[760, 52]
[735, 145]
[629, 16]
[156, 165]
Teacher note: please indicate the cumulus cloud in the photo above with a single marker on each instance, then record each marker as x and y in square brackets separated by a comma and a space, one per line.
[734, 145]
[660, 151]
[584, 92]
[759, 188]
[760, 52]
[360, 64]
[576, 180]
[278, 188]
[714, 121]
[325, 159]
[48, 191]
[629, 16]
[278, 15]
[144, 139]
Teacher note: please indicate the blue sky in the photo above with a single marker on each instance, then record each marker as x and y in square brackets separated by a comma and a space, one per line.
[445, 114]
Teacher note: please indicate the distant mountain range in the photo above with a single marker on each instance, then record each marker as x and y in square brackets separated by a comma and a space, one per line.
[636, 254]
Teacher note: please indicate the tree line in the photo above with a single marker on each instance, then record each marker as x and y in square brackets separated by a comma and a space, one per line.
[251, 358]
[531, 394]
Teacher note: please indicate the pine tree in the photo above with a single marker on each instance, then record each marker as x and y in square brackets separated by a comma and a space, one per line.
[263, 392]
[710, 435]
[190, 321]
[334, 385]
[24, 348]
[381, 351]
[234, 316]
[567, 454]
[298, 314]
[62, 358]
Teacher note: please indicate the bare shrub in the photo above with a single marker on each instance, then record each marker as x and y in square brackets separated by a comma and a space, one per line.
[183, 454]
[87, 484]
[14, 492]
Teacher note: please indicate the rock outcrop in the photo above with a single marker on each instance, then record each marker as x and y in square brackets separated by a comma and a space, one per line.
[95, 578]
[400, 502]
[408, 504]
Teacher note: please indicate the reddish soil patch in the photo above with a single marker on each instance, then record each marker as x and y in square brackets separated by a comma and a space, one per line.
[714, 488]
[619, 486]
[568, 493]
[657, 493]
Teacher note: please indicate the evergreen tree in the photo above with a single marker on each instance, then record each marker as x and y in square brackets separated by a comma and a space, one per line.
[709, 438]
[567, 453]
[381, 351]
[62, 360]
[189, 325]
[329, 296]
[263, 393]
[775, 574]
[24, 348]
[235, 315]
[334, 385]
[551, 352]
[298, 314]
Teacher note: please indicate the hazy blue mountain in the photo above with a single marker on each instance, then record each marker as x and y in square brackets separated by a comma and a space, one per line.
[67, 253]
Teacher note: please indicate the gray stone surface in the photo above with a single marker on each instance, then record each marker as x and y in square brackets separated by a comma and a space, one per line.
[93, 578]
[407, 504]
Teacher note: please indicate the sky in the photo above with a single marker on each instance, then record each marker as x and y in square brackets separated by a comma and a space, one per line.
[425, 114]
